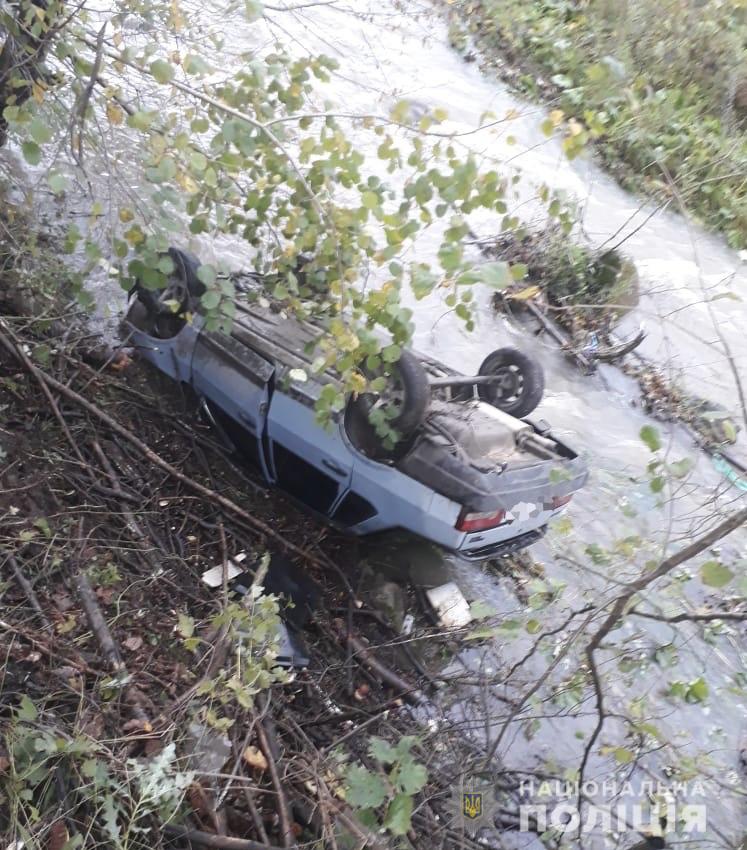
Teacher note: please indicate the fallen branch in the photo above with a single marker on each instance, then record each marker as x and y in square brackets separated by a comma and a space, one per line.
[206, 839]
[268, 744]
[98, 625]
[29, 591]
[364, 655]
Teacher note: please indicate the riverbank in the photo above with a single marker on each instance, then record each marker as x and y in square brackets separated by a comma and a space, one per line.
[166, 703]
[661, 94]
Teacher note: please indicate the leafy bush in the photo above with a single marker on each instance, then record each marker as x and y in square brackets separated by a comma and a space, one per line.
[652, 84]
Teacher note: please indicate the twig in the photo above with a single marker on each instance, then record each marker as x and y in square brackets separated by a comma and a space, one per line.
[268, 744]
[205, 839]
[29, 591]
[725, 527]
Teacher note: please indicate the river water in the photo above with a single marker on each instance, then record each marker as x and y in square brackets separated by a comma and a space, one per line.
[401, 51]
[391, 51]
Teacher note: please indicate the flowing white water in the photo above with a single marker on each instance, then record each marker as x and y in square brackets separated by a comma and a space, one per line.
[400, 51]
[390, 51]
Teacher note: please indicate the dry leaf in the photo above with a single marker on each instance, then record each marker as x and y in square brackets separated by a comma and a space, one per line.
[120, 361]
[525, 294]
[133, 643]
[58, 836]
[255, 758]
[67, 625]
[63, 601]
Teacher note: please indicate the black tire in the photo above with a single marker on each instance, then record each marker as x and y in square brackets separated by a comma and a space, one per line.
[183, 286]
[415, 393]
[412, 395]
[523, 385]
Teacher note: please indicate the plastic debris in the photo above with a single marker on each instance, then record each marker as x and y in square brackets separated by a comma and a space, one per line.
[449, 605]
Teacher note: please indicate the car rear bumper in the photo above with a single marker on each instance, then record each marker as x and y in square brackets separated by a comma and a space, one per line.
[502, 547]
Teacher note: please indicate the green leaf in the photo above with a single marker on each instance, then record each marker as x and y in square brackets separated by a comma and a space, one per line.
[370, 200]
[185, 625]
[382, 751]
[365, 790]
[210, 299]
[207, 274]
[650, 437]
[26, 710]
[519, 271]
[496, 275]
[423, 281]
[480, 610]
[57, 182]
[193, 64]
[623, 755]
[680, 468]
[163, 72]
[391, 353]
[198, 161]
[697, 691]
[411, 776]
[253, 9]
[715, 574]
[31, 152]
[657, 484]
[141, 120]
[39, 131]
[398, 816]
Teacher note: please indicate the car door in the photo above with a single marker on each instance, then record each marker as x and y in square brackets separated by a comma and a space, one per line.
[235, 380]
[310, 462]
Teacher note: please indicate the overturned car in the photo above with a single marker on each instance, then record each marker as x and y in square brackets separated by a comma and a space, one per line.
[469, 473]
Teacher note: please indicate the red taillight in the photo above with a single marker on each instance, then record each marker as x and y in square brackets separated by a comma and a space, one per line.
[557, 502]
[473, 521]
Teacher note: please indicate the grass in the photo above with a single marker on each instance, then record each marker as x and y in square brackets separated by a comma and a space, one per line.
[658, 88]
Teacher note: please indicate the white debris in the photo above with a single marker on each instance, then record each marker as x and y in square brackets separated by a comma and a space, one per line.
[450, 606]
[214, 576]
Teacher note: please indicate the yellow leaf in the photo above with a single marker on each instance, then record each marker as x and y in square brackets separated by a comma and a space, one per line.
[114, 113]
[67, 625]
[126, 215]
[255, 758]
[525, 294]
[37, 91]
[574, 127]
[556, 116]
[187, 183]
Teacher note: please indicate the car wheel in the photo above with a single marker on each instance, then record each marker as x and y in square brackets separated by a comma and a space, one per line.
[411, 393]
[521, 384]
[407, 396]
[182, 286]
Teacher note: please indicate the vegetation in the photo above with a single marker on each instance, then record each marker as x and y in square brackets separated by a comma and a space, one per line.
[244, 151]
[114, 496]
[660, 88]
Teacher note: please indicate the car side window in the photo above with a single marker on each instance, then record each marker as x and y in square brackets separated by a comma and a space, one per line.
[304, 480]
